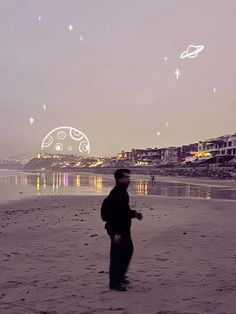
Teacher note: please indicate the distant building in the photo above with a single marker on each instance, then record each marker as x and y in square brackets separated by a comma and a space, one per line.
[124, 156]
[187, 151]
[156, 156]
[109, 161]
[148, 155]
[221, 149]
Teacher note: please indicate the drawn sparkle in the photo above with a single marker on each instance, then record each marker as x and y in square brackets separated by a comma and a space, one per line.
[31, 120]
[70, 27]
[177, 73]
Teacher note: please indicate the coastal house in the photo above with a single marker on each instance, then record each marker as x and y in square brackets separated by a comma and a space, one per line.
[221, 149]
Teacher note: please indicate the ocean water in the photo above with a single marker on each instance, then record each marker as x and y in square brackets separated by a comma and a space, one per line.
[17, 184]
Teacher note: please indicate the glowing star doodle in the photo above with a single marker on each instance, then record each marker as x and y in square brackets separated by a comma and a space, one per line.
[165, 59]
[57, 139]
[44, 107]
[158, 133]
[214, 90]
[31, 120]
[70, 27]
[191, 52]
[177, 73]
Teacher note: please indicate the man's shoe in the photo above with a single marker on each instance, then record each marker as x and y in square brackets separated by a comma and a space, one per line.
[118, 287]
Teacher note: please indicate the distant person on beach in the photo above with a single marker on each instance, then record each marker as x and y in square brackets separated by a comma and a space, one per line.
[116, 212]
[152, 178]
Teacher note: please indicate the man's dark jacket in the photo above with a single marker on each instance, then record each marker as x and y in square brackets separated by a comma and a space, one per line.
[116, 212]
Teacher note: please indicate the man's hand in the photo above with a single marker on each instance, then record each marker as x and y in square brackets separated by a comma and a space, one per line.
[117, 238]
[139, 216]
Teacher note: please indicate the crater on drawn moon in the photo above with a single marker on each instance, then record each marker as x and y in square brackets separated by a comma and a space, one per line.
[61, 135]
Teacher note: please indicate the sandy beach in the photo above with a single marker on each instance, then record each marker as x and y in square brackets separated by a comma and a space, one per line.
[55, 257]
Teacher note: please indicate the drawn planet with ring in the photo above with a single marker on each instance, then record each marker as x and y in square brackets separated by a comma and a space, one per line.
[191, 52]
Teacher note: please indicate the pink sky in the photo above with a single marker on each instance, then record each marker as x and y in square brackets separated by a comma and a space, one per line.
[114, 85]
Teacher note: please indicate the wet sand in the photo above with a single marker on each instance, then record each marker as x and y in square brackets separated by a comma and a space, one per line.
[190, 180]
[55, 256]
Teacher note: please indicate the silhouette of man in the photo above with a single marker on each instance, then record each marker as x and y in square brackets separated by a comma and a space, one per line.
[116, 212]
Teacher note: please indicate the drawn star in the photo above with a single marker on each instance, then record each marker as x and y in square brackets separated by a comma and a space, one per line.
[177, 73]
[70, 27]
[31, 120]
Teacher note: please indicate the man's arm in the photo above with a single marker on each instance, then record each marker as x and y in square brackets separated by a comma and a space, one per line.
[133, 213]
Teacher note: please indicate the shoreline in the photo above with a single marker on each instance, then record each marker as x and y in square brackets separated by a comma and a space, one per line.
[168, 178]
[228, 172]
[19, 193]
[221, 189]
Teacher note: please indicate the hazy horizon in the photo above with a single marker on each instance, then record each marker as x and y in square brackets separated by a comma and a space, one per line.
[115, 85]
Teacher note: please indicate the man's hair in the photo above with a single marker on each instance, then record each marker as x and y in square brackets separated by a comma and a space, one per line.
[120, 173]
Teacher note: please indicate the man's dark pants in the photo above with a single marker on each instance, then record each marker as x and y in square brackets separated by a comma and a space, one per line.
[120, 257]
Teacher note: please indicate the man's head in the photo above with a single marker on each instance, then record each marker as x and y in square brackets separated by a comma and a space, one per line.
[122, 176]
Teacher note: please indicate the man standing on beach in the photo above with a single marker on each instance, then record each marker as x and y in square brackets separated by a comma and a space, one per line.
[116, 212]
